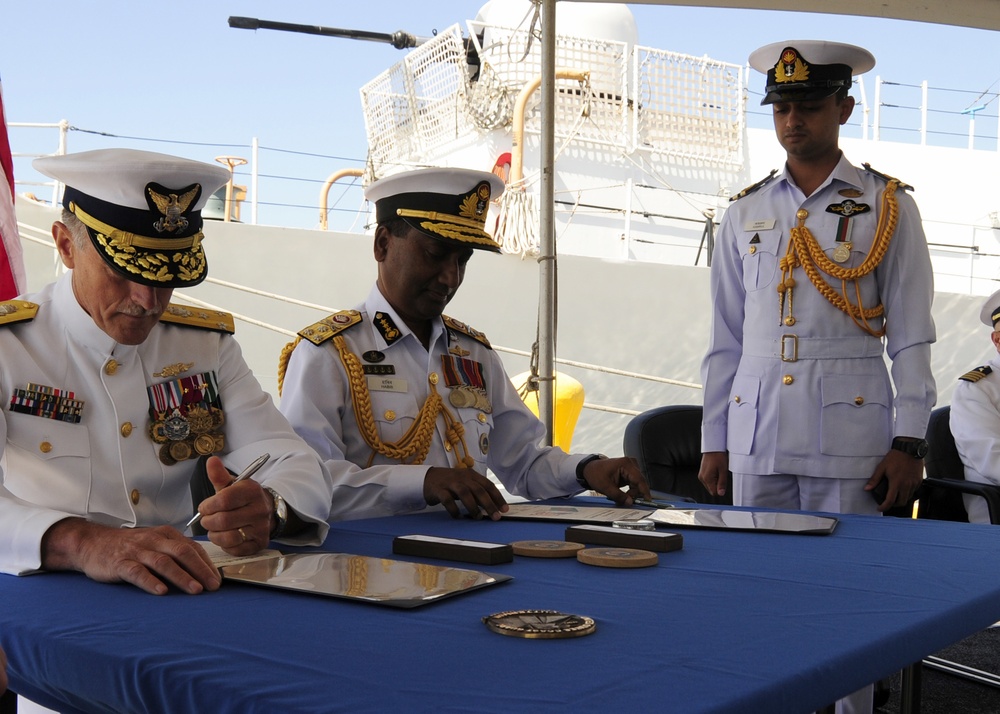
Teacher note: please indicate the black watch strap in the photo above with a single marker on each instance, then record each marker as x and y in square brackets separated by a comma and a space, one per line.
[582, 465]
[917, 448]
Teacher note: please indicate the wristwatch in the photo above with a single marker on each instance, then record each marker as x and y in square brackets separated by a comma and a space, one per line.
[280, 513]
[582, 465]
[917, 448]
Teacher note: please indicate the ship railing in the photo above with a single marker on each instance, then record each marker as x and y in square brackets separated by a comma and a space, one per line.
[678, 105]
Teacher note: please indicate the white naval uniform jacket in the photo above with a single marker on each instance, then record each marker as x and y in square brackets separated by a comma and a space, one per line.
[832, 413]
[975, 424]
[316, 398]
[52, 469]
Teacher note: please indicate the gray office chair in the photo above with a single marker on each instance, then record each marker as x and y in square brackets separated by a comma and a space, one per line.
[666, 441]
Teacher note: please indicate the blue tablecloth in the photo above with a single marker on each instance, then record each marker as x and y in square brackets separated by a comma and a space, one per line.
[734, 622]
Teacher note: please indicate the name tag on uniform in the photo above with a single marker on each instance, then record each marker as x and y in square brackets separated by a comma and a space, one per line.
[765, 224]
[382, 383]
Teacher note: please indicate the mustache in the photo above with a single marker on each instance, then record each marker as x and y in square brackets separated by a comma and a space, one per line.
[133, 310]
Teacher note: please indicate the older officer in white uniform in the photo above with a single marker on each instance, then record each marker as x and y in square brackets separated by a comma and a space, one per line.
[975, 417]
[112, 394]
[813, 269]
[408, 407]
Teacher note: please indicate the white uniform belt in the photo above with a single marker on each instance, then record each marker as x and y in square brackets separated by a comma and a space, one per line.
[791, 348]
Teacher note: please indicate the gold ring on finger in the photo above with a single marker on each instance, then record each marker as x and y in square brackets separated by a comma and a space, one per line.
[242, 534]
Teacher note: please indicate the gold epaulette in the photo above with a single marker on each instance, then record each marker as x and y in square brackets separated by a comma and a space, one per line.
[886, 177]
[15, 311]
[214, 320]
[976, 374]
[750, 189]
[453, 324]
[330, 326]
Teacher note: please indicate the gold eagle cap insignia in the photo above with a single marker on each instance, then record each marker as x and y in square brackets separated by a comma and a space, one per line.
[173, 206]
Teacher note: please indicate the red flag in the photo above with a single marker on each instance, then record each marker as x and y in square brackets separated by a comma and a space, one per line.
[12, 281]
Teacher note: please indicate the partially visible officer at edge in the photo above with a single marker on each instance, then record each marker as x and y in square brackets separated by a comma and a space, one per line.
[409, 407]
[975, 417]
[112, 394]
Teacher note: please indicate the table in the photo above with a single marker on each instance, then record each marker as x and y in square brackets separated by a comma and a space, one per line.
[734, 622]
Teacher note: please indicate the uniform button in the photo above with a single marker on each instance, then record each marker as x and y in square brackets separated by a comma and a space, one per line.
[737, 399]
[110, 367]
[45, 447]
[788, 379]
[789, 321]
[752, 249]
[481, 417]
[432, 378]
[390, 415]
[859, 400]
[135, 496]
[127, 429]
[447, 446]
[802, 214]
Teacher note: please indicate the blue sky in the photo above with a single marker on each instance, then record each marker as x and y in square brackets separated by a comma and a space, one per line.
[177, 73]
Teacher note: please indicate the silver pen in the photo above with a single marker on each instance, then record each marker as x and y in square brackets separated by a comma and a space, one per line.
[247, 473]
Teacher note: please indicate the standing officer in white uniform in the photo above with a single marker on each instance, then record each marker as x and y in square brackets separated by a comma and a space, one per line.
[111, 394]
[408, 407]
[975, 417]
[813, 271]
[816, 271]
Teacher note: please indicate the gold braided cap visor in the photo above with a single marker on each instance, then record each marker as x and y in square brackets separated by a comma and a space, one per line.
[156, 262]
[450, 229]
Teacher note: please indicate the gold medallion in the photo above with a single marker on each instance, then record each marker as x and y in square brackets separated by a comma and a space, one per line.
[180, 450]
[204, 445]
[540, 624]
[165, 456]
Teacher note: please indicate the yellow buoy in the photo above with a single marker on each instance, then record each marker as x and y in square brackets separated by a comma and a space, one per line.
[568, 405]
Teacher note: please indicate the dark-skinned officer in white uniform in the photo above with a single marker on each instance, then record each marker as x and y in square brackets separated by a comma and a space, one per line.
[113, 395]
[818, 272]
[408, 407]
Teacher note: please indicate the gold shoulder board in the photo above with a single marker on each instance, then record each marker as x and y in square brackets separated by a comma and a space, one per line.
[453, 324]
[15, 311]
[214, 320]
[887, 178]
[750, 189]
[330, 326]
[976, 374]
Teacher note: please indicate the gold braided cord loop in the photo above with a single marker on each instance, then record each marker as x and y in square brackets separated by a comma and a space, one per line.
[804, 250]
[455, 433]
[415, 443]
[286, 354]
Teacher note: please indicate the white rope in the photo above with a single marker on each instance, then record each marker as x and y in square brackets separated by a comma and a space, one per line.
[517, 223]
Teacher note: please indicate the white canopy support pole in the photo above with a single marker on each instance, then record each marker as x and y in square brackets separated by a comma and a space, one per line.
[547, 247]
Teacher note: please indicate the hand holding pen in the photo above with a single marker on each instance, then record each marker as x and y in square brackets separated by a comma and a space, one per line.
[247, 473]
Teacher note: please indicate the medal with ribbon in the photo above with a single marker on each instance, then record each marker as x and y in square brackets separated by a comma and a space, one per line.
[464, 378]
[186, 417]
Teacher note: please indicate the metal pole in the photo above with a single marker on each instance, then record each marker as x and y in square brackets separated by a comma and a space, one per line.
[254, 167]
[547, 252]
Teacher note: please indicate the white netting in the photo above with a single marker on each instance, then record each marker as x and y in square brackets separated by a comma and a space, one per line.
[677, 105]
[690, 107]
[418, 104]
